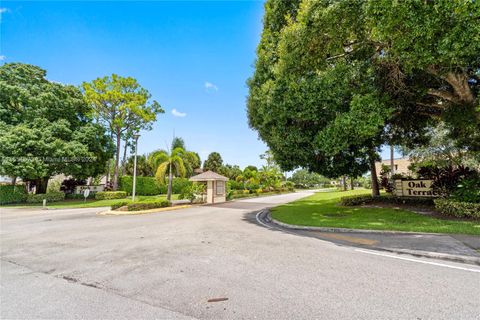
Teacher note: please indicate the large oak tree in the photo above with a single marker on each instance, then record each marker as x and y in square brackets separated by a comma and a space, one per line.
[334, 80]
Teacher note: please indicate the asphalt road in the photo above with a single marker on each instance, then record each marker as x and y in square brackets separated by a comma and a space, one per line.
[73, 264]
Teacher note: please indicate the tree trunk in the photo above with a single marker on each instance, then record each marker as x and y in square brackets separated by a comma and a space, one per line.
[392, 161]
[117, 159]
[375, 186]
[109, 164]
[459, 83]
[170, 178]
[14, 181]
[351, 183]
[107, 177]
[344, 181]
[41, 185]
[124, 160]
[462, 92]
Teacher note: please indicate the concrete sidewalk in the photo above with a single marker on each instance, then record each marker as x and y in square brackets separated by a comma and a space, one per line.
[462, 248]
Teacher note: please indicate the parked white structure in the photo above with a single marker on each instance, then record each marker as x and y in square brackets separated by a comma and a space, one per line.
[216, 186]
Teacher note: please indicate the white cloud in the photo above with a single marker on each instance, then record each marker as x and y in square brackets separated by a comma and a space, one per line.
[2, 11]
[209, 87]
[2, 57]
[177, 113]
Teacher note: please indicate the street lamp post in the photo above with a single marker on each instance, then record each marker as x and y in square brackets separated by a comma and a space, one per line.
[135, 136]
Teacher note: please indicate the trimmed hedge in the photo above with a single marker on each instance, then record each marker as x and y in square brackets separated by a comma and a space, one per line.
[12, 194]
[457, 208]
[108, 195]
[252, 195]
[356, 200]
[148, 186]
[79, 196]
[50, 197]
[147, 205]
[368, 199]
[119, 205]
[178, 184]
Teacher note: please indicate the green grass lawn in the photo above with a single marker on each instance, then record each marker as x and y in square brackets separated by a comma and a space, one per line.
[92, 203]
[322, 210]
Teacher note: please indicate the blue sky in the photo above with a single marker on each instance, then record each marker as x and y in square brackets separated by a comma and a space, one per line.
[193, 57]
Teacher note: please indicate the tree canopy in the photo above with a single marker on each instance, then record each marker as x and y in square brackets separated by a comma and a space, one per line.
[46, 128]
[178, 143]
[334, 80]
[214, 162]
[305, 179]
[123, 106]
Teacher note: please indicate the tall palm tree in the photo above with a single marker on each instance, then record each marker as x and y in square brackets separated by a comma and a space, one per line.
[164, 163]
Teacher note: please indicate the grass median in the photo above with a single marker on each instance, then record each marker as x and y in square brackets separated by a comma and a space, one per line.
[322, 210]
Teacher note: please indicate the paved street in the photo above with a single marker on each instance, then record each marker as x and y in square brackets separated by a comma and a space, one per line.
[73, 263]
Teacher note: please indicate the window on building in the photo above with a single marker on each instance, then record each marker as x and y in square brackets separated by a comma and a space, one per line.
[220, 187]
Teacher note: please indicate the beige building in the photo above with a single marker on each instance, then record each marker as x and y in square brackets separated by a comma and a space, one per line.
[216, 189]
[400, 166]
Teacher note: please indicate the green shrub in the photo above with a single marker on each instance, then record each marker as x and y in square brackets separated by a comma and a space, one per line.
[12, 194]
[235, 185]
[125, 183]
[146, 186]
[178, 184]
[415, 201]
[147, 205]
[117, 205]
[289, 185]
[79, 196]
[192, 192]
[54, 185]
[458, 209]
[468, 190]
[149, 186]
[368, 199]
[357, 200]
[50, 197]
[107, 195]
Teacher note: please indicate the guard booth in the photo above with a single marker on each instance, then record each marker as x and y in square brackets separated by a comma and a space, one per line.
[216, 189]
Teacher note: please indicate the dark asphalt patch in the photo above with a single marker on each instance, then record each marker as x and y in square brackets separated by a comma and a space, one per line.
[217, 299]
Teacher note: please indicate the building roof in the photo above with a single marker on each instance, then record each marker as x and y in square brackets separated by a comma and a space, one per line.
[396, 159]
[208, 176]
